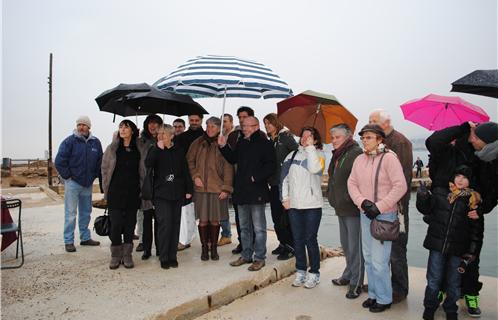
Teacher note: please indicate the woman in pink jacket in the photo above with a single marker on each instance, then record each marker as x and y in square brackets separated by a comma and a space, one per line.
[391, 186]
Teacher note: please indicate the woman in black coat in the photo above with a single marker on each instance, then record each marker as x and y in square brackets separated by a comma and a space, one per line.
[172, 185]
[121, 180]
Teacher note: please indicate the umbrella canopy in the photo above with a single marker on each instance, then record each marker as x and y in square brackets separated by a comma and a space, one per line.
[480, 82]
[111, 100]
[156, 101]
[315, 109]
[435, 112]
[220, 76]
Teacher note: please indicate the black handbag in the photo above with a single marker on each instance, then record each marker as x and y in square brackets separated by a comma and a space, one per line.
[102, 224]
[383, 230]
[148, 185]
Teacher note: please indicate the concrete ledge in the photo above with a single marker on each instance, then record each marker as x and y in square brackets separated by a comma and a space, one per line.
[258, 280]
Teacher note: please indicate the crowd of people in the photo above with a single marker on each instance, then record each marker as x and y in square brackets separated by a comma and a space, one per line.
[197, 173]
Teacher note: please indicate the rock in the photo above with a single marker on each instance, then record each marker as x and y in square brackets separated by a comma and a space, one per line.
[18, 182]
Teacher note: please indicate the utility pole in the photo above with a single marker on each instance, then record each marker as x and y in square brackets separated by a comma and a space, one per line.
[49, 160]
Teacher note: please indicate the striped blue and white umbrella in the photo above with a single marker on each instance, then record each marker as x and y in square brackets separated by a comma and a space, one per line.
[224, 76]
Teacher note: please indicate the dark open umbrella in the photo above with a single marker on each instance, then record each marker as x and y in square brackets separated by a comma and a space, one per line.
[112, 100]
[157, 101]
[480, 82]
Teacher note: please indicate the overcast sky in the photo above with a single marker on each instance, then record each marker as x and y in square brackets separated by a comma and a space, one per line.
[369, 54]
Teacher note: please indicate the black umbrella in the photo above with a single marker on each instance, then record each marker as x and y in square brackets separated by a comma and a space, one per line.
[157, 101]
[480, 82]
[112, 100]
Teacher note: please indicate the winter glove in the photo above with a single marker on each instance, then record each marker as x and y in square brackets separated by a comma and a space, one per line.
[371, 210]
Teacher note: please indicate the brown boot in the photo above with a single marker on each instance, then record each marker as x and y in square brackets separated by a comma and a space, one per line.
[214, 232]
[204, 235]
[116, 256]
[127, 259]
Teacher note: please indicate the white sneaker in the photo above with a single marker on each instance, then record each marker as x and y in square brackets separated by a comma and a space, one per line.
[312, 280]
[300, 278]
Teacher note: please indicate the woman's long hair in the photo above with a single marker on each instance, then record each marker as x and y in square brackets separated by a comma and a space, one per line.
[274, 121]
[134, 131]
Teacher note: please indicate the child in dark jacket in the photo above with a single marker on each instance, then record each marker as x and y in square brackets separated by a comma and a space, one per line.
[452, 239]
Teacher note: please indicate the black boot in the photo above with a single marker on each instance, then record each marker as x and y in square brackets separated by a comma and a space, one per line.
[214, 232]
[204, 235]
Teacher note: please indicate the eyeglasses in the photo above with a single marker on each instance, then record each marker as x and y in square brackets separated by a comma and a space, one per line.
[367, 138]
[248, 125]
[179, 126]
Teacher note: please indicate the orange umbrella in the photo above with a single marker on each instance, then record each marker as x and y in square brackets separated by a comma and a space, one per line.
[315, 109]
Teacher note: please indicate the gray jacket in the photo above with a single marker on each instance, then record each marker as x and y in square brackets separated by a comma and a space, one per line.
[337, 192]
[144, 144]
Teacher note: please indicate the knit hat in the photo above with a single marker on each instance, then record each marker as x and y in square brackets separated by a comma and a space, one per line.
[465, 171]
[375, 128]
[487, 132]
[84, 120]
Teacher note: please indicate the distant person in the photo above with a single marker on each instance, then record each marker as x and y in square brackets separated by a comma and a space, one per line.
[213, 183]
[419, 164]
[453, 239]
[255, 159]
[391, 187]
[122, 176]
[302, 195]
[228, 126]
[172, 185]
[226, 228]
[345, 152]
[78, 163]
[184, 140]
[400, 145]
[179, 125]
[146, 215]
[284, 143]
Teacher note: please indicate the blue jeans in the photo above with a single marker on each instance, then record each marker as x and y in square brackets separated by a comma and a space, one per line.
[226, 228]
[304, 224]
[253, 220]
[377, 255]
[76, 197]
[442, 270]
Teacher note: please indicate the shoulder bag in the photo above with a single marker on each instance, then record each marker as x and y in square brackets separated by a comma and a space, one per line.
[383, 230]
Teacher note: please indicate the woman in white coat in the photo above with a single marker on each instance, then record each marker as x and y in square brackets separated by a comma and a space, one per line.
[302, 196]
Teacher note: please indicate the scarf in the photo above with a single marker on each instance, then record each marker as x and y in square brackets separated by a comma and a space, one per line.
[337, 153]
[210, 139]
[489, 152]
[381, 148]
[474, 200]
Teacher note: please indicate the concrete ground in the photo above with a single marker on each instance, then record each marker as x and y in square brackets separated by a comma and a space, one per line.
[326, 301]
[54, 284]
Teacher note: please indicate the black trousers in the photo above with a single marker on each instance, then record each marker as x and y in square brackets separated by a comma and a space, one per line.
[280, 223]
[399, 264]
[470, 279]
[168, 217]
[122, 225]
[149, 215]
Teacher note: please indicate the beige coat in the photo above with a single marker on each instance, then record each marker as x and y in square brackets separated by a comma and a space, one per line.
[206, 162]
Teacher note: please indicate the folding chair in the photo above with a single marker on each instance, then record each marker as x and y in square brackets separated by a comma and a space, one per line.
[13, 227]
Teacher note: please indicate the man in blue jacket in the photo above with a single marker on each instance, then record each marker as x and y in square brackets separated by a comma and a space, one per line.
[78, 163]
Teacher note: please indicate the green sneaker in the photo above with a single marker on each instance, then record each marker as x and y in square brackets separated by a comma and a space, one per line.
[472, 303]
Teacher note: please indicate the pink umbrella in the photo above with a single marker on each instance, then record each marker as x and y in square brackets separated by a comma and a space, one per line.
[438, 112]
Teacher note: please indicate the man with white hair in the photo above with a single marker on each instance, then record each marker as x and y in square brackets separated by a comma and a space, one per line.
[78, 163]
[398, 143]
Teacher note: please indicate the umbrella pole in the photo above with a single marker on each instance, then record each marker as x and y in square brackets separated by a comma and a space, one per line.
[316, 113]
[224, 100]
[114, 119]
